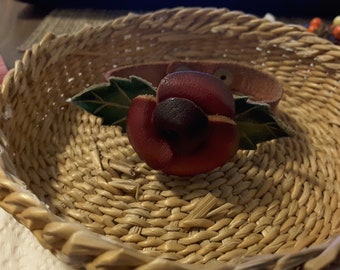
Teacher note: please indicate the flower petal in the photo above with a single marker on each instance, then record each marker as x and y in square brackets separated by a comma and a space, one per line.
[207, 91]
[154, 150]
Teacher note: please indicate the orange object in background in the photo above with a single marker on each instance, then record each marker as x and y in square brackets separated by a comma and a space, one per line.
[312, 28]
[336, 32]
[316, 22]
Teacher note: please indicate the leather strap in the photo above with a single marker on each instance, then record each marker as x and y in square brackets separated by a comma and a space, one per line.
[242, 79]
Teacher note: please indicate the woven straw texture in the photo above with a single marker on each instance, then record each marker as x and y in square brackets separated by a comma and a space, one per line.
[87, 197]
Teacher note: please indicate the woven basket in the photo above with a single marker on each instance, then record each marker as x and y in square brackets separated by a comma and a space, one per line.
[87, 197]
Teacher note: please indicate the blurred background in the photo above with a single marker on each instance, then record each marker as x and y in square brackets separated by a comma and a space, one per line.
[285, 8]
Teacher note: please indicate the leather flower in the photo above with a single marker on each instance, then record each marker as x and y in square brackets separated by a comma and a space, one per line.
[188, 128]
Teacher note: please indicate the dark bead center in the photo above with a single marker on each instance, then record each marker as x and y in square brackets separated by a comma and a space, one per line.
[182, 123]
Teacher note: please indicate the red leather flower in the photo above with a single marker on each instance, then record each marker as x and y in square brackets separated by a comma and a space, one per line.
[188, 127]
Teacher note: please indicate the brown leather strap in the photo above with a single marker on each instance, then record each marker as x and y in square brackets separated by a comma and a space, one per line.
[242, 79]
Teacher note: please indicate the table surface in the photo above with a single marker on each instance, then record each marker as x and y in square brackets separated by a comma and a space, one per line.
[17, 21]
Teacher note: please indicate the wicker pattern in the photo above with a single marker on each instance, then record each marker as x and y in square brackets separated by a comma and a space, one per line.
[86, 196]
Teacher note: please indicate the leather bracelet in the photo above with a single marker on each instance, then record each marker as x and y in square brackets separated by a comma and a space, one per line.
[242, 80]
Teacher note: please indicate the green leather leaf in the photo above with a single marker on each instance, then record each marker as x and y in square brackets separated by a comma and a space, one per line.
[257, 123]
[111, 101]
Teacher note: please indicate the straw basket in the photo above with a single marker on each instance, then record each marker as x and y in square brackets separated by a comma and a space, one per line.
[87, 197]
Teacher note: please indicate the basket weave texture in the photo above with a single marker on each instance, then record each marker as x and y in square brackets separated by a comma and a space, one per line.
[86, 196]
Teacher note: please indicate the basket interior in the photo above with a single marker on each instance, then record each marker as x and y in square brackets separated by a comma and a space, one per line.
[282, 197]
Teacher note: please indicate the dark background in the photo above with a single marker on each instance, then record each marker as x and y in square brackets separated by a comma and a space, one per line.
[287, 8]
